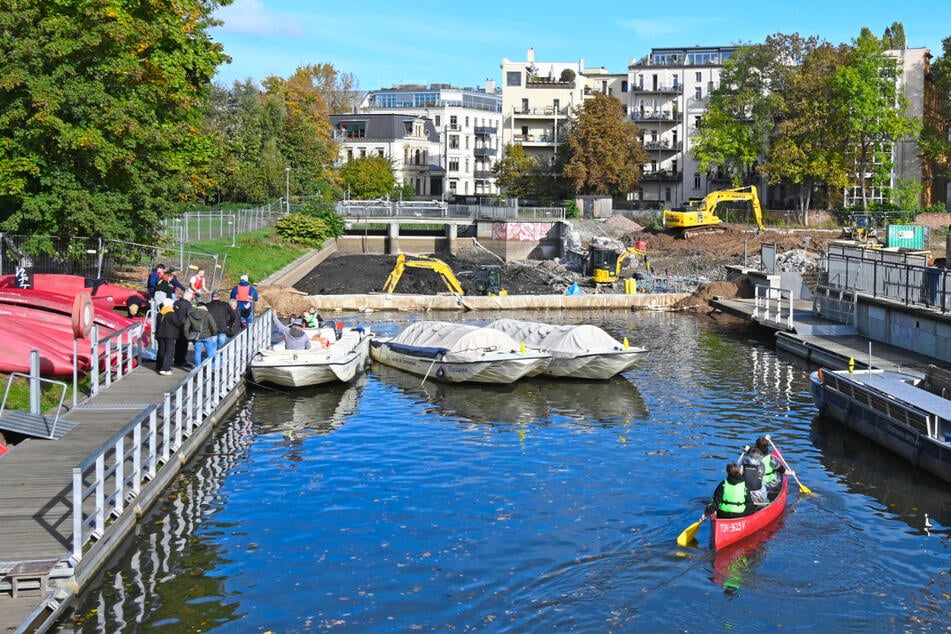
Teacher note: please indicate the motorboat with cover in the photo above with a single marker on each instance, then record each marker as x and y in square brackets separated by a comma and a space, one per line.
[579, 352]
[336, 354]
[455, 353]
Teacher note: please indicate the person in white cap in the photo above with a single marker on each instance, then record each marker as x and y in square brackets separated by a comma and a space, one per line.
[166, 332]
[246, 296]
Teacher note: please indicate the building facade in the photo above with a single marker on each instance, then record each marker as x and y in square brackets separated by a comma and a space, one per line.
[467, 122]
[410, 142]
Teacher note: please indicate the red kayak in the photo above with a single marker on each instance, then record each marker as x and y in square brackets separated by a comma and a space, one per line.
[729, 531]
[60, 303]
[15, 348]
[70, 285]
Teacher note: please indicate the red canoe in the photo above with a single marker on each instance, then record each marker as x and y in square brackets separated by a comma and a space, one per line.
[729, 531]
[15, 347]
[70, 285]
[60, 303]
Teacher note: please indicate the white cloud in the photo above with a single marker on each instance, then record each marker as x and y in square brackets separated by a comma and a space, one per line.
[250, 17]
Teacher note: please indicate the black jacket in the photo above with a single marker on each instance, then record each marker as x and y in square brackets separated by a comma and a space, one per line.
[226, 318]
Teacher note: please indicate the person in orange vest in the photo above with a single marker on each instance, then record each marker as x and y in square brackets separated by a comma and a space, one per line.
[246, 295]
[197, 283]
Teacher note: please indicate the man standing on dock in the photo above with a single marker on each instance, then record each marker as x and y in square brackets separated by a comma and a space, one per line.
[246, 295]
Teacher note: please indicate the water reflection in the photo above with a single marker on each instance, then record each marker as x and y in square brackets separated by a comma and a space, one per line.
[865, 468]
[733, 565]
[612, 402]
[310, 411]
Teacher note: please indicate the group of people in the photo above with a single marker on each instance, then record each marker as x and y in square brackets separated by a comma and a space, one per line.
[295, 338]
[751, 483]
[195, 315]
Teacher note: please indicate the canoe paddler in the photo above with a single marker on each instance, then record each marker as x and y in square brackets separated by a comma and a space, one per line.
[731, 498]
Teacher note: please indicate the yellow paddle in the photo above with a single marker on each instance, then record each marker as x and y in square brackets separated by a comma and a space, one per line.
[690, 533]
[802, 487]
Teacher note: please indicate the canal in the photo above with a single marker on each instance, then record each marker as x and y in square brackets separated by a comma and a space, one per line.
[395, 506]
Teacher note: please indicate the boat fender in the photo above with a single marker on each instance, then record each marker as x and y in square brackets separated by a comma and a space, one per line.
[441, 372]
[83, 315]
[320, 341]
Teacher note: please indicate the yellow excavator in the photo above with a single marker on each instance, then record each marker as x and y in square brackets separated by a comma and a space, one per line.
[606, 262]
[422, 262]
[700, 215]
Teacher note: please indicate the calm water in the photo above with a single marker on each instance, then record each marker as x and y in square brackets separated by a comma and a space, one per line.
[391, 506]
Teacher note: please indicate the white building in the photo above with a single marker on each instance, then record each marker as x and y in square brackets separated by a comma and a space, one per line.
[409, 141]
[467, 122]
[539, 97]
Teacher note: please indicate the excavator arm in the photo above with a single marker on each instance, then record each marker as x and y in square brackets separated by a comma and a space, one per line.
[703, 214]
[422, 262]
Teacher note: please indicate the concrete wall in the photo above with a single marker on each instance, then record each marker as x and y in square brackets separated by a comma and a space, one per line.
[914, 330]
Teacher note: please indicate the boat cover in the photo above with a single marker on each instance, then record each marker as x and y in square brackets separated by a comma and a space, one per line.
[459, 341]
[559, 340]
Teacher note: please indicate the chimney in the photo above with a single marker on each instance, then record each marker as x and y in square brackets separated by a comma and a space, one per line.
[581, 66]
[490, 86]
[531, 56]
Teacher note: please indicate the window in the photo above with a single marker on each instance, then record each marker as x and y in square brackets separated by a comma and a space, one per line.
[667, 194]
[640, 82]
[653, 136]
[512, 78]
[699, 93]
[380, 152]
[673, 167]
[696, 122]
[363, 152]
[354, 130]
[524, 106]
[453, 165]
[696, 180]
[349, 154]
[624, 85]
[452, 186]
[467, 122]
[676, 80]
[454, 141]
[556, 104]
[467, 142]
[453, 122]
[699, 76]
[437, 120]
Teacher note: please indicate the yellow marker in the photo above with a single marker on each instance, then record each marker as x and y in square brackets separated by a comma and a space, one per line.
[522, 347]
[851, 365]
[625, 343]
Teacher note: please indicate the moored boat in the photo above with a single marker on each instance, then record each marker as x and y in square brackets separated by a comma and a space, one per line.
[581, 351]
[330, 359]
[904, 413]
[455, 353]
[726, 531]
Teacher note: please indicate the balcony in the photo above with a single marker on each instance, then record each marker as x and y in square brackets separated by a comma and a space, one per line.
[483, 151]
[549, 83]
[677, 89]
[533, 139]
[661, 175]
[547, 112]
[485, 130]
[664, 115]
[663, 146]
[483, 174]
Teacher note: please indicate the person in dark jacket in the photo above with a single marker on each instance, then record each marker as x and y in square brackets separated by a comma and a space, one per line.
[204, 332]
[166, 332]
[182, 307]
[226, 318]
[155, 276]
[773, 468]
[751, 464]
[731, 498]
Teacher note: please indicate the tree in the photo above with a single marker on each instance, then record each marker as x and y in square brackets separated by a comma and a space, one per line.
[866, 93]
[934, 141]
[368, 177]
[603, 155]
[894, 36]
[514, 173]
[101, 130]
[806, 148]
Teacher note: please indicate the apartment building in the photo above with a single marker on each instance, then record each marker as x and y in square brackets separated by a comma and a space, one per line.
[409, 141]
[539, 97]
[467, 122]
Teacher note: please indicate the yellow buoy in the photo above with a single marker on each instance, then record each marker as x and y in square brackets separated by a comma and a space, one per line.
[522, 347]
[625, 343]
[851, 365]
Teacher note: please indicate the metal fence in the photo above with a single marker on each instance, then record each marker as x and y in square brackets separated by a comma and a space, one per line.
[112, 477]
[375, 210]
[899, 276]
[192, 226]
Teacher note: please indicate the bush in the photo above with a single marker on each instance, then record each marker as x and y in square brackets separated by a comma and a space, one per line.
[333, 221]
[571, 209]
[303, 229]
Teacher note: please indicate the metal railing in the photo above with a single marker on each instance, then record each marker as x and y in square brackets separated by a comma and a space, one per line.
[113, 476]
[774, 305]
[114, 356]
[898, 276]
[209, 225]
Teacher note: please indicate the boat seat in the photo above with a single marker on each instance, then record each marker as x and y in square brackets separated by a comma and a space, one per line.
[937, 381]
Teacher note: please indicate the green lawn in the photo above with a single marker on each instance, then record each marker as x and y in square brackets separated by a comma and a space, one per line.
[257, 254]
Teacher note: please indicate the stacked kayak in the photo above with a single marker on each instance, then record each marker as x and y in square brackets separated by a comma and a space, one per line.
[70, 285]
[42, 320]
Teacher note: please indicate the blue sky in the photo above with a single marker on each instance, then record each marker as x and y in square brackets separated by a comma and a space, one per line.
[386, 42]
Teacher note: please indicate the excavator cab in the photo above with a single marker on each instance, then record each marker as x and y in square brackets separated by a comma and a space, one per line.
[605, 264]
[487, 280]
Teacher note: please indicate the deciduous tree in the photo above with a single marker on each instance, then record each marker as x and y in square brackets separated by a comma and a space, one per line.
[603, 154]
[368, 177]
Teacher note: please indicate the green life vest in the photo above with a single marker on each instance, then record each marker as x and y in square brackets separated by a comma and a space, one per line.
[734, 497]
[769, 474]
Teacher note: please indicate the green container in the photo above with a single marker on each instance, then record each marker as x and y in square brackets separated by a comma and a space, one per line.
[907, 236]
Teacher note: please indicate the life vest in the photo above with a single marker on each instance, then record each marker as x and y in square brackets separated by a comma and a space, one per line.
[734, 497]
[198, 283]
[244, 293]
[769, 471]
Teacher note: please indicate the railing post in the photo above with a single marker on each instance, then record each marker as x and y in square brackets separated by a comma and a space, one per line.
[77, 554]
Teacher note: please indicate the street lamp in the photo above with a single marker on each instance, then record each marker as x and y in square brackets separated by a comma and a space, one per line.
[287, 188]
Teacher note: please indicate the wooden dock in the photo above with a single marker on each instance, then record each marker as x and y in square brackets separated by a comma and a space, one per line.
[40, 571]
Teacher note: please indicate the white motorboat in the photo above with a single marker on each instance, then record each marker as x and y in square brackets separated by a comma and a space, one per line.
[331, 358]
[578, 352]
[455, 353]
